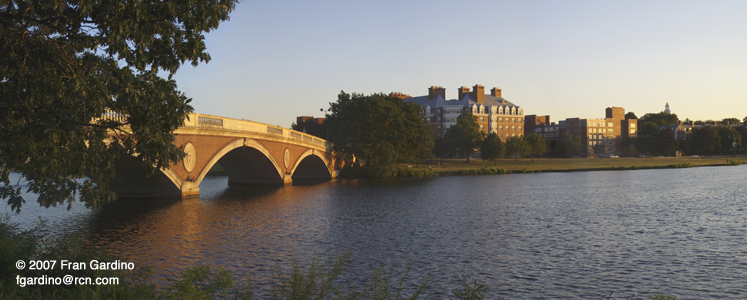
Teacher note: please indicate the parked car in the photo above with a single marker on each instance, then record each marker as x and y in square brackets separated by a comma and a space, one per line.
[614, 156]
[694, 156]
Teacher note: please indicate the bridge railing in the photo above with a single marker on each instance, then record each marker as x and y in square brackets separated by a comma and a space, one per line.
[200, 120]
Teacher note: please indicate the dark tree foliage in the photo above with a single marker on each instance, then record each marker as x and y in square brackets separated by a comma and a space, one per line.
[568, 146]
[665, 142]
[536, 144]
[492, 148]
[64, 63]
[728, 135]
[646, 141]
[730, 121]
[629, 151]
[744, 121]
[442, 148]
[630, 115]
[465, 135]
[379, 129]
[517, 146]
[742, 136]
[660, 119]
[704, 140]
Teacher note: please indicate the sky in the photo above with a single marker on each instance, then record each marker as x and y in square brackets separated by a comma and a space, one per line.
[276, 60]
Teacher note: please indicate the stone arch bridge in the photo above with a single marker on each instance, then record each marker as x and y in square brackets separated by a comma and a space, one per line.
[251, 153]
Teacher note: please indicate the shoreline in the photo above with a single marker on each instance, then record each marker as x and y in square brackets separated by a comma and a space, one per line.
[457, 167]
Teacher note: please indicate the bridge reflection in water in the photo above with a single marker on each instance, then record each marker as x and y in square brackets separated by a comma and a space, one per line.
[251, 153]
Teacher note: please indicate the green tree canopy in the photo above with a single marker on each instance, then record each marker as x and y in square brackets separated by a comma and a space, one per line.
[660, 119]
[730, 121]
[442, 148]
[465, 135]
[630, 115]
[517, 146]
[65, 63]
[568, 146]
[728, 135]
[492, 148]
[665, 142]
[704, 140]
[380, 129]
[536, 144]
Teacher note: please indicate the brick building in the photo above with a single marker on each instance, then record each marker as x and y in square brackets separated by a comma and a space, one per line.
[493, 112]
[613, 131]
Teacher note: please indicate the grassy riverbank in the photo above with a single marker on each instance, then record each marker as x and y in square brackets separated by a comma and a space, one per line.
[541, 165]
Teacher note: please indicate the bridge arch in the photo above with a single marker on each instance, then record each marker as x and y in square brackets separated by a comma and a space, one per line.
[247, 162]
[311, 164]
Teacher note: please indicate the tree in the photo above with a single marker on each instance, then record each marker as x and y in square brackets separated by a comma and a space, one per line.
[568, 146]
[665, 142]
[391, 132]
[492, 148]
[442, 148]
[630, 115]
[660, 119]
[64, 64]
[536, 144]
[730, 121]
[744, 121]
[742, 136]
[517, 146]
[465, 135]
[728, 135]
[704, 140]
[629, 151]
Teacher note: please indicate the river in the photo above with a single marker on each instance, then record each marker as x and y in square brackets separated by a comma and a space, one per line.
[525, 236]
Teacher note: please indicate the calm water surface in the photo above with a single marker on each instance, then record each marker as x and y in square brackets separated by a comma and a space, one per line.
[525, 236]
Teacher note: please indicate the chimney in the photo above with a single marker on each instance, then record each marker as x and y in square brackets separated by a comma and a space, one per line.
[463, 91]
[434, 91]
[478, 93]
[496, 92]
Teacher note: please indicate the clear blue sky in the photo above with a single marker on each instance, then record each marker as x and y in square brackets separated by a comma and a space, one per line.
[275, 60]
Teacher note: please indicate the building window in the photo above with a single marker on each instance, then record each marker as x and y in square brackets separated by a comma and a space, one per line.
[513, 134]
[500, 119]
[519, 127]
[500, 127]
[610, 130]
[482, 127]
[632, 131]
[482, 119]
[500, 135]
[609, 125]
[513, 127]
[632, 125]
[521, 120]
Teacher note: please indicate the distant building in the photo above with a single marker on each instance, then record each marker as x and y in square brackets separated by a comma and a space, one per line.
[541, 125]
[613, 131]
[312, 126]
[493, 112]
[666, 109]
